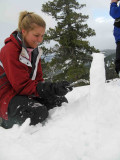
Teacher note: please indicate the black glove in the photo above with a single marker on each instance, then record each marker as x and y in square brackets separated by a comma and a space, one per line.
[62, 88]
[53, 101]
[48, 89]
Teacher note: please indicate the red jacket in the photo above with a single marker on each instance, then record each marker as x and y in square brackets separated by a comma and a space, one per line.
[17, 73]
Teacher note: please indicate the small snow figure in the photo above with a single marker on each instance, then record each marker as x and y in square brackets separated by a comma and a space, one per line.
[23, 92]
[97, 79]
[97, 73]
[115, 13]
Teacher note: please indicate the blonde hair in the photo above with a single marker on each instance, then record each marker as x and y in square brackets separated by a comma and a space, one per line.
[28, 21]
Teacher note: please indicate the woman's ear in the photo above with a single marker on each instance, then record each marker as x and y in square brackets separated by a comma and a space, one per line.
[23, 31]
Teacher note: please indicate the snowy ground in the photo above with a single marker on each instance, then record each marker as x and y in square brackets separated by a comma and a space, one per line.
[88, 128]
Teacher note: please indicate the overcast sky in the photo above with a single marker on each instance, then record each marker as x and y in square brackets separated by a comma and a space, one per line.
[98, 11]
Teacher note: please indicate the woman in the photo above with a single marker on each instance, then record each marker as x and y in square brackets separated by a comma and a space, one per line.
[23, 92]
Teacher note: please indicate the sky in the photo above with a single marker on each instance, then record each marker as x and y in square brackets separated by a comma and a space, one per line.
[98, 11]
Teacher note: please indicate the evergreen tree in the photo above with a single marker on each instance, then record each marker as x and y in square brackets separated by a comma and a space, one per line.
[72, 50]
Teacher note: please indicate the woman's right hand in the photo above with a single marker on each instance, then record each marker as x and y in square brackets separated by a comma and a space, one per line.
[49, 89]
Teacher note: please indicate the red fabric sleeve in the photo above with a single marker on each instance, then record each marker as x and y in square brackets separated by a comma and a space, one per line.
[39, 76]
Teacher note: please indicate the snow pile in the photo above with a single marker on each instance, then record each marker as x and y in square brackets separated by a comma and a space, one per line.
[88, 128]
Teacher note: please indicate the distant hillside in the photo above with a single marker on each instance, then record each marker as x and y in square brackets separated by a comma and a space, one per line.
[108, 52]
[109, 55]
[109, 63]
[48, 57]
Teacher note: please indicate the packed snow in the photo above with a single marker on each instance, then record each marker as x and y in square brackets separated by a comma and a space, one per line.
[87, 128]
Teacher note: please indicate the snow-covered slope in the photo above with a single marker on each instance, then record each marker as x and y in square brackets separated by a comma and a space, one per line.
[88, 128]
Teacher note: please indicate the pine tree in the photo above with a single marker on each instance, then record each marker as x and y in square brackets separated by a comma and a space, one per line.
[72, 50]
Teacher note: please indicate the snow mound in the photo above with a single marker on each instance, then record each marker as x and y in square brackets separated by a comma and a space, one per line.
[88, 128]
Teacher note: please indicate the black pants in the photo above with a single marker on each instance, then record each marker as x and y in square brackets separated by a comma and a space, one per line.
[117, 61]
[22, 107]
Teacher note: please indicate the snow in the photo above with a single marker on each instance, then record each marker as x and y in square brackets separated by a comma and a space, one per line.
[87, 128]
[68, 61]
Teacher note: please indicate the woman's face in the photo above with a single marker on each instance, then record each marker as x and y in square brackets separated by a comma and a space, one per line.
[33, 37]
